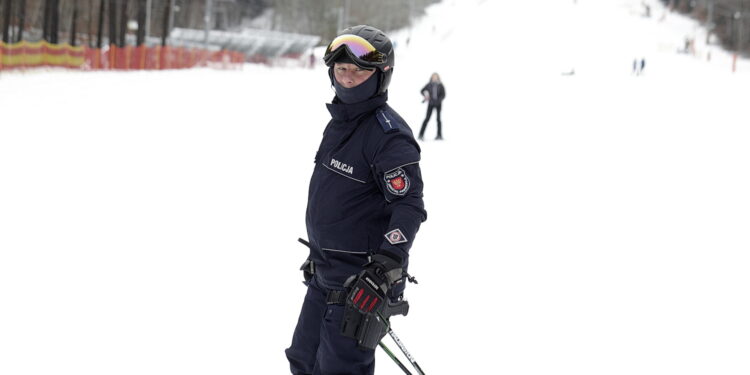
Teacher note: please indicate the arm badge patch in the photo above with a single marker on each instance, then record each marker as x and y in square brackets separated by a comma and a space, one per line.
[395, 237]
[397, 182]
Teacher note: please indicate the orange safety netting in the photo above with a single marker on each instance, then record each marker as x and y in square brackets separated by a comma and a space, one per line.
[43, 54]
[35, 54]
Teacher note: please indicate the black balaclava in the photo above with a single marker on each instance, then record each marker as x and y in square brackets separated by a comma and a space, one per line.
[360, 93]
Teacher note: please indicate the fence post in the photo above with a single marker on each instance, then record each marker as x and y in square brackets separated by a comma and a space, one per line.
[112, 53]
[143, 56]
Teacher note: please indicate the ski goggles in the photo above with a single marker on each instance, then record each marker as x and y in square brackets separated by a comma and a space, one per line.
[358, 47]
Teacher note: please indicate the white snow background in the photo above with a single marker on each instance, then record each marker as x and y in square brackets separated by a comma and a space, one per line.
[597, 223]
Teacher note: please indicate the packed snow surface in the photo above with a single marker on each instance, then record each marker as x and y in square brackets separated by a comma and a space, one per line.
[581, 219]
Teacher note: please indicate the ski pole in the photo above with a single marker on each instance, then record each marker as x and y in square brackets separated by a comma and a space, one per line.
[406, 352]
[393, 357]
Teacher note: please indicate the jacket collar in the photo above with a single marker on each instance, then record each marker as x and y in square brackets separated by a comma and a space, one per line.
[345, 112]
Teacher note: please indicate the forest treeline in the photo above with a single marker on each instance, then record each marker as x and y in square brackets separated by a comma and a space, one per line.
[96, 22]
[728, 20]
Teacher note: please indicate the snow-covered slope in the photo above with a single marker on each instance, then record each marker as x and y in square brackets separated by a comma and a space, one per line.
[589, 223]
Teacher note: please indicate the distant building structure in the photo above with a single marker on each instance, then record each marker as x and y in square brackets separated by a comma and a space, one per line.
[252, 42]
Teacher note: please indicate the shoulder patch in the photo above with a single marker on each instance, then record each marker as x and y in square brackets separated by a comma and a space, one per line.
[387, 121]
[397, 182]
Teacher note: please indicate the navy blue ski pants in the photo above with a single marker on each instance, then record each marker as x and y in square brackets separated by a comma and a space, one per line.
[318, 348]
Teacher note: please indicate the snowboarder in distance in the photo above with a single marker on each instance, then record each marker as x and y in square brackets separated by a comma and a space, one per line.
[433, 93]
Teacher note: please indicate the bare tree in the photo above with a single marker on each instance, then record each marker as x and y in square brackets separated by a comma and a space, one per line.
[112, 18]
[21, 19]
[6, 20]
[166, 22]
[123, 23]
[51, 20]
[100, 24]
[141, 35]
[73, 23]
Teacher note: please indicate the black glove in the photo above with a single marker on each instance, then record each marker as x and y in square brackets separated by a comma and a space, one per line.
[372, 284]
[367, 306]
[386, 270]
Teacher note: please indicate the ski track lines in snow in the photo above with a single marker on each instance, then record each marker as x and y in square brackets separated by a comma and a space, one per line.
[593, 223]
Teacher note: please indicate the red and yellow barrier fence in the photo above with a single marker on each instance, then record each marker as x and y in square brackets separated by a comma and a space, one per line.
[35, 54]
[43, 54]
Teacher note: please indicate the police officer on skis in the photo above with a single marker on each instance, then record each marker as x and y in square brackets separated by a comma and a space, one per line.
[363, 212]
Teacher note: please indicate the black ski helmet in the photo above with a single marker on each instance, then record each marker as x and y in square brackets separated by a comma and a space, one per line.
[366, 47]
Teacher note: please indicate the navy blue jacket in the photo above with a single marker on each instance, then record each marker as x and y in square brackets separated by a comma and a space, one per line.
[365, 192]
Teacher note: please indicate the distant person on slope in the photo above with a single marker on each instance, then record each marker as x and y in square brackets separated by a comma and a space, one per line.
[364, 208]
[433, 93]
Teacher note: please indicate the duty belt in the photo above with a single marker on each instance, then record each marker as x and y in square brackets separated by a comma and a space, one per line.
[334, 297]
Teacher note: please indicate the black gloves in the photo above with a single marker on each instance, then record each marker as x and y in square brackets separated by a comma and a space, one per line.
[386, 271]
[372, 284]
[367, 305]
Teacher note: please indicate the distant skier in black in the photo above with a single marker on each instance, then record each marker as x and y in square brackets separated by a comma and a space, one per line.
[434, 93]
[638, 66]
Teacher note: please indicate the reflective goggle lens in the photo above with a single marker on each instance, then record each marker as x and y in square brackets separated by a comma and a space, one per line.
[358, 46]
